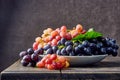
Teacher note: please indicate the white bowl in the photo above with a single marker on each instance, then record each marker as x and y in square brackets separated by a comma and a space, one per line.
[84, 60]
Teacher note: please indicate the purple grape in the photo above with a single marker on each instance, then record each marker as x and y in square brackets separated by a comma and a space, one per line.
[23, 53]
[34, 57]
[24, 63]
[30, 51]
[39, 51]
[49, 51]
[54, 48]
[47, 46]
[27, 58]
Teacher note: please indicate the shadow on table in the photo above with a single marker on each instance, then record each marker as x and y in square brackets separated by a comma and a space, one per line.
[101, 64]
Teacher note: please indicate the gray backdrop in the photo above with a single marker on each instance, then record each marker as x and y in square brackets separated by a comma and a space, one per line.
[21, 21]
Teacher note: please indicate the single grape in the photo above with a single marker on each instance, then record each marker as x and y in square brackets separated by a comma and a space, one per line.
[63, 40]
[54, 48]
[109, 50]
[47, 46]
[93, 45]
[49, 51]
[33, 63]
[77, 50]
[34, 57]
[113, 40]
[68, 36]
[99, 45]
[63, 28]
[103, 50]
[58, 52]
[114, 53]
[68, 43]
[116, 47]
[39, 51]
[63, 34]
[27, 58]
[87, 51]
[24, 63]
[85, 43]
[76, 43]
[72, 53]
[81, 46]
[69, 48]
[23, 53]
[30, 51]
[63, 51]
[59, 43]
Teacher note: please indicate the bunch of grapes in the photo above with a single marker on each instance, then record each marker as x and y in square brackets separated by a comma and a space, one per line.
[52, 37]
[30, 57]
[53, 61]
[98, 46]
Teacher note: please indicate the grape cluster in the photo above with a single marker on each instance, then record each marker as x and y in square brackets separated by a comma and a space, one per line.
[30, 57]
[98, 46]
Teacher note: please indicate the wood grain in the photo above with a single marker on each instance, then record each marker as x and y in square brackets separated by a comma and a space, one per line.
[107, 69]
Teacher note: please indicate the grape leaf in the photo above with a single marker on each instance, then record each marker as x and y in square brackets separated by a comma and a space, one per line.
[90, 34]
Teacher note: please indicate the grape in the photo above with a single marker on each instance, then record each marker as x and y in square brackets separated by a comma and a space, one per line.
[23, 53]
[27, 58]
[63, 34]
[103, 50]
[39, 51]
[93, 45]
[58, 38]
[68, 36]
[34, 57]
[63, 28]
[68, 43]
[76, 43]
[49, 51]
[39, 58]
[87, 51]
[81, 47]
[116, 47]
[24, 63]
[114, 53]
[54, 33]
[30, 51]
[99, 45]
[109, 50]
[69, 48]
[59, 43]
[85, 43]
[54, 42]
[72, 53]
[58, 52]
[32, 63]
[77, 50]
[47, 46]
[63, 51]
[113, 40]
[63, 40]
[54, 48]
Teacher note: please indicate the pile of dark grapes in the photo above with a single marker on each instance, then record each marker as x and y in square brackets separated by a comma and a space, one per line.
[98, 46]
[30, 57]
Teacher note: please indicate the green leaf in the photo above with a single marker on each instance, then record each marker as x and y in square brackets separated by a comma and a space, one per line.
[90, 34]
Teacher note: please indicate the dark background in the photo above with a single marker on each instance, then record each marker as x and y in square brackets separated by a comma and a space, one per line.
[21, 21]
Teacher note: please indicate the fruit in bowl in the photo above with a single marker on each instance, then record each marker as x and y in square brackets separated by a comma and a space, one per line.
[77, 46]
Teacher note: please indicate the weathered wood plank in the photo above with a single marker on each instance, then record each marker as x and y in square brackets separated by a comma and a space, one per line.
[109, 68]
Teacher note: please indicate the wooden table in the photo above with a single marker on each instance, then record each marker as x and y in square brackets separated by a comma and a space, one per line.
[108, 69]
